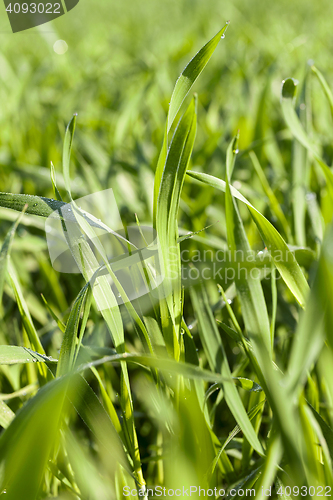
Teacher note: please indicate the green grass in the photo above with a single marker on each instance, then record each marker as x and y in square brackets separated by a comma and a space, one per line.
[223, 382]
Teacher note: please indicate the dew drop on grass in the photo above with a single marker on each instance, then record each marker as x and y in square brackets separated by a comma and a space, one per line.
[35, 205]
[310, 196]
[236, 151]
[223, 35]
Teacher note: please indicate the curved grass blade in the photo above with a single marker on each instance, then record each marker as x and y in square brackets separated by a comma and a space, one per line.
[288, 266]
[26, 445]
[288, 93]
[6, 415]
[252, 413]
[217, 359]
[5, 253]
[191, 72]
[166, 222]
[24, 311]
[67, 148]
[67, 350]
[326, 430]
[324, 86]
[249, 288]
[247, 384]
[275, 205]
[182, 87]
[11, 355]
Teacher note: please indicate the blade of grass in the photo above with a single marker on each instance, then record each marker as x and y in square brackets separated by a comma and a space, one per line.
[283, 258]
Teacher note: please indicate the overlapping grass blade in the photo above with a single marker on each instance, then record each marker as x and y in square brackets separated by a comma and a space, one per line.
[183, 86]
[11, 355]
[166, 222]
[5, 253]
[6, 415]
[281, 255]
[288, 93]
[217, 359]
[30, 438]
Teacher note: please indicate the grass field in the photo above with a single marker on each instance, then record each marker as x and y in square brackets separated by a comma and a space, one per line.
[215, 138]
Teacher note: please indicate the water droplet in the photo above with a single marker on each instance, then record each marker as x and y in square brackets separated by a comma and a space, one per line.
[182, 332]
[310, 196]
[190, 327]
[34, 360]
[229, 301]
[35, 204]
[236, 151]
[223, 35]
[69, 209]
[28, 359]
[302, 106]
[228, 22]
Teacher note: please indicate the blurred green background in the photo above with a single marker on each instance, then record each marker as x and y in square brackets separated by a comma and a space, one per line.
[119, 71]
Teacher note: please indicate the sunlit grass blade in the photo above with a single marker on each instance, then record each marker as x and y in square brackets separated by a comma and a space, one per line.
[5, 253]
[249, 288]
[288, 93]
[274, 204]
[313, 326]
[67, 148]
[281, 255]
[66, 356]
[217, 359]
[26, 444]
[6, 415]
[166, 221]
[182, 87]
[324, 86]
[11, 355]
[191, 73]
